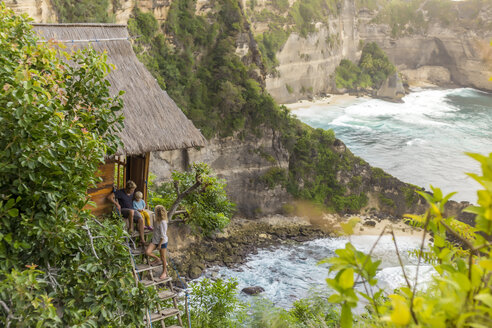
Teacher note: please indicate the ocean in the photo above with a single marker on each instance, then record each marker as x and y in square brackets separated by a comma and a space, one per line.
[421, 141]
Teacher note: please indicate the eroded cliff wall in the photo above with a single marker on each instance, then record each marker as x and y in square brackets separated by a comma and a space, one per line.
[241, 162]
[443, 54]
[41, 11]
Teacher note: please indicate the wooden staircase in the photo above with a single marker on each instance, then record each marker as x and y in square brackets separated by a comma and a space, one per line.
[148, 275]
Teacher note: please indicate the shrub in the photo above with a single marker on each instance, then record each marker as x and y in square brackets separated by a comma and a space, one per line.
[215, 304]
[373, 68]
[82, 11]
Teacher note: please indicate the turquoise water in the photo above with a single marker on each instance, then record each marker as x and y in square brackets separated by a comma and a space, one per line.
[421, 141]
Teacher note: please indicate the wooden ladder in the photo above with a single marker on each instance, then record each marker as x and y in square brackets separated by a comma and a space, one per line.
[144, 273]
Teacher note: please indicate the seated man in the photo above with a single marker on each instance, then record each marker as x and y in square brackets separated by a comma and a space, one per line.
[123, 200]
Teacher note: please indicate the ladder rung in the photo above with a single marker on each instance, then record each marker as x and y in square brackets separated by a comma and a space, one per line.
[136, 233]
[154, 317]
[141, 251]
[156, 281]
[166, 294]
[174, 326]
[166, 313]
[146, 267]
[138, 251]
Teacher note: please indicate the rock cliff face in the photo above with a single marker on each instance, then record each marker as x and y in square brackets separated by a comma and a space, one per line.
[441, 55]
[40, 10]
[240, 162]
[463, 54]
[124, 8]
[305, 64]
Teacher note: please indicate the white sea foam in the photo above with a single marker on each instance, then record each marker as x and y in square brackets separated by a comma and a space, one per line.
[288, 273]
[416, 142]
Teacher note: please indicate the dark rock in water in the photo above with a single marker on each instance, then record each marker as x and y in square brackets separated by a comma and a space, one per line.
[195, 272]
[253, 290]
[392, 89]
[370, 223]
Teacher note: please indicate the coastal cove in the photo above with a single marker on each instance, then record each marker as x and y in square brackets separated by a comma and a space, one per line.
[421, 141]
[430, 131]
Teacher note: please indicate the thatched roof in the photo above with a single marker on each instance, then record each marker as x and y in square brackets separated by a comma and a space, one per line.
[153, 121]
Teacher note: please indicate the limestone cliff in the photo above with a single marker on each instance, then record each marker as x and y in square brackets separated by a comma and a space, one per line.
[306, 63]
[440, 54]
[464, 56]
[241, 163]
[41, 11]
[445, 54]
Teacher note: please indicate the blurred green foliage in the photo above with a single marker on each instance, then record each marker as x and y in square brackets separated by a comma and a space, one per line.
[83, 11]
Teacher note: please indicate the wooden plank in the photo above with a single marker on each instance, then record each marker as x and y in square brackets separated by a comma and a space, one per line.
[102, 190]
[146, 175]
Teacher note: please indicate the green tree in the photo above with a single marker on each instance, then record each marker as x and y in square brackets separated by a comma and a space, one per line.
[58, 122]
[347, 74]
[372, 70]
[83, 11]
[374, 62]
[199, 195]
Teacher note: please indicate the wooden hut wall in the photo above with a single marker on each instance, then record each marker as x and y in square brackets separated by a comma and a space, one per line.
[102, 190]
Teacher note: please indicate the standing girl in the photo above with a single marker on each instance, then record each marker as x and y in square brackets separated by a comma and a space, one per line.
[159, 239]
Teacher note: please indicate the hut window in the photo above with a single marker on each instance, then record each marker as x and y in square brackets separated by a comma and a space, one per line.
[120, 171]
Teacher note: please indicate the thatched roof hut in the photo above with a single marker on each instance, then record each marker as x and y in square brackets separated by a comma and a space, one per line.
[153, 121]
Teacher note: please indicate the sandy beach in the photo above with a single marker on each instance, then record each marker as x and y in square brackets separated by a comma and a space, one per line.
[329, 100]
[365, 226]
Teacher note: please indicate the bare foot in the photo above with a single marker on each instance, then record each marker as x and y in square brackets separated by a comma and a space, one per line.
[156, 262]
[163, 275]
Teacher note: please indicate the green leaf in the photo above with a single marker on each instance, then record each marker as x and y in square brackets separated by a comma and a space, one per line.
[347, 278]
[13, 212]
[485, 298]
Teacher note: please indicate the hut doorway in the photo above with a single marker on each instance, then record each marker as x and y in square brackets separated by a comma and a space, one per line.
[137, 170]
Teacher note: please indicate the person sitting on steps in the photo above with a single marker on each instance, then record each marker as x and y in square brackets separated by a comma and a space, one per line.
[123, 201]
[159, 239]
[139, 205]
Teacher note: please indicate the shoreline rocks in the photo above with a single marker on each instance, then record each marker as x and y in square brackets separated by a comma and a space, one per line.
[240, 239]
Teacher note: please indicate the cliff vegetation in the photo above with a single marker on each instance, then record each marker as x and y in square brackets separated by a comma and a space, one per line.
[373, 68]
[195, 61]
